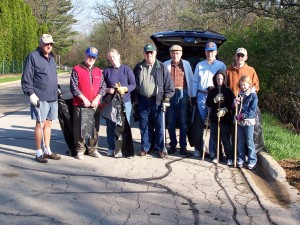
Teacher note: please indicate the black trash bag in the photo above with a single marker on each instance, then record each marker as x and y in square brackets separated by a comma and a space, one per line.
[112, 108]
[195, 125]
[258, 137]
[87, 122]
[191, 117]
[65, 117]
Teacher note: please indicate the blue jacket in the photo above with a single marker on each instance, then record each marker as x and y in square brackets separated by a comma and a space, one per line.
[165, 85]
[249, 107]
[40, 76]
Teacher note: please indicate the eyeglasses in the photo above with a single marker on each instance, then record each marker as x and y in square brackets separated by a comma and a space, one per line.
[240, 55]
[151, 52]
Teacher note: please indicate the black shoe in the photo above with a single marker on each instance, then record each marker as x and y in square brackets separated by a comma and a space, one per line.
[183, 151]
[172, 150]
[41, 159]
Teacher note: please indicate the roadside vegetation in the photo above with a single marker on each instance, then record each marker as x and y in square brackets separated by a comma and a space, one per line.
[281, 142]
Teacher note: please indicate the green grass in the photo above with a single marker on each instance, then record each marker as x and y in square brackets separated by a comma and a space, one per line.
[13, 77]
[281, 142]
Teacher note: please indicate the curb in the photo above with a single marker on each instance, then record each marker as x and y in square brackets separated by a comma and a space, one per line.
[271, 167]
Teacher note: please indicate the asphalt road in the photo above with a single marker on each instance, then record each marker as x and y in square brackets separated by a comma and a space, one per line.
[111, 191]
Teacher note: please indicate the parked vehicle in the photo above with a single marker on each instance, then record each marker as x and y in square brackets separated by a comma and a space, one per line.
[192, 42]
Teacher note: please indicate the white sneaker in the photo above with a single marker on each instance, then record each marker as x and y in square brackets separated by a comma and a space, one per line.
[110, 152]
[79, 156]
[229, 162]
[196, 153]
[119, 155]
[214, 160]
[95, 154]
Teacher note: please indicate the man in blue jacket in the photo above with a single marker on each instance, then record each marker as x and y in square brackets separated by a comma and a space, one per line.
[39, 82]
[154, 87]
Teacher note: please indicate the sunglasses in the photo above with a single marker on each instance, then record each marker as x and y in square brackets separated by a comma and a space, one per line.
[51, 44]
[240, 55]
[151, 52]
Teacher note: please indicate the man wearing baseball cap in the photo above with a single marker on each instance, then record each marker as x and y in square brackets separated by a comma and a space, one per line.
[39, 82]
[154, 87]
[182, 75]
[239, 68]
[86, 86]
[201, 84]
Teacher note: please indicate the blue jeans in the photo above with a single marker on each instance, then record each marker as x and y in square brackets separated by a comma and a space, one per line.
[178, 110]
[150, 123]
[225, 138]
[201, 101]
[245, 136]
[111, 126]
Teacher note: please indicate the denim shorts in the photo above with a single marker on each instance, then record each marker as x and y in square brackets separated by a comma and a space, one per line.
[48, 110]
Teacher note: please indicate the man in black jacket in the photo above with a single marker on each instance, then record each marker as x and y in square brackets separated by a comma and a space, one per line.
[154, 87]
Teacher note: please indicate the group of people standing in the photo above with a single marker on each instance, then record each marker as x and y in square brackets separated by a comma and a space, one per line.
[150, 87]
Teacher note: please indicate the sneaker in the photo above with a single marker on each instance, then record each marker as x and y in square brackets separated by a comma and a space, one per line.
[240, 165]
[214, 160]
[95, 154]
[79, 156]
[142, 153]
[172, 150]
[162, 155]
[52, 156]
[110, 152]
[197, 153]
[41, 159]
[229, 162]
[119, 155]
[251, 166]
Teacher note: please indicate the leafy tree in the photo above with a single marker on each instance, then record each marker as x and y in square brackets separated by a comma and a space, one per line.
[54, 17]
[5, 31]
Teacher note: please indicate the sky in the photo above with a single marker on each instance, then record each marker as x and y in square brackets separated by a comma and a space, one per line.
[85, 17]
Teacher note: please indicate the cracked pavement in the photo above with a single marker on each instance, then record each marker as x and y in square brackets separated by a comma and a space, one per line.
[135, 190]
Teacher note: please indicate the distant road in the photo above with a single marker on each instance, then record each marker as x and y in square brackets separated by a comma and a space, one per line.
[12, 98]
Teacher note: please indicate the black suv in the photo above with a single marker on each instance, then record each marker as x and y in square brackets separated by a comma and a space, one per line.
[192, 42]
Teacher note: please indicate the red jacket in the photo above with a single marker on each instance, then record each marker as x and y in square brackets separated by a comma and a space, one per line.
[88, 87]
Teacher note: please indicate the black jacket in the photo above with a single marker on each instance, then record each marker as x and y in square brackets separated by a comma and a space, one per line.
[164, 82]
[228, 101]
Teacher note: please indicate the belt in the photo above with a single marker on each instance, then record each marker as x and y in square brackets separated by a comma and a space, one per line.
[179, 88]
[203, 92]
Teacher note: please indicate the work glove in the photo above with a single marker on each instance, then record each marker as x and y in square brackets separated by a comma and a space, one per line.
[121, 90]
[239, 116]
[34, 100]
[165, 104]
[194, 100]
[222, 112]
[219, 98]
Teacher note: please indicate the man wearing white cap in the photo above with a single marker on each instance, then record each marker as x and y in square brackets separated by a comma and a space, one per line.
[39, 82]
[202, 82]
[182, 75]
[239, 68]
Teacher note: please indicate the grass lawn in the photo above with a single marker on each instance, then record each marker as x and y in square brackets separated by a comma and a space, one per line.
[13, 77]
[280, 141]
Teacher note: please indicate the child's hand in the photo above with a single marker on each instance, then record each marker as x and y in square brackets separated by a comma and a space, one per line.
[239, 117]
